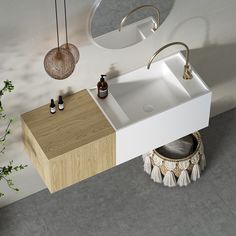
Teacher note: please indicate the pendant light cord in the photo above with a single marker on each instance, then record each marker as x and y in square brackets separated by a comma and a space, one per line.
[66, 22]
[58, 43]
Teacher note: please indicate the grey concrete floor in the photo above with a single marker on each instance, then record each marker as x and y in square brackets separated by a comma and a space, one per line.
[125, 202]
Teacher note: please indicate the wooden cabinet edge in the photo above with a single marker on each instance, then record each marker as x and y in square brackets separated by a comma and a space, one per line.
[36, 154]
[47, 168]
[84, 156]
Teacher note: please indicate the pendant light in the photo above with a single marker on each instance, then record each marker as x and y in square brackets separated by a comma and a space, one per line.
[59, 63]
[68, 46]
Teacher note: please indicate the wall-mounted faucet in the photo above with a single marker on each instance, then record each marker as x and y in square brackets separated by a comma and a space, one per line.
[187, 71]
[156, 24]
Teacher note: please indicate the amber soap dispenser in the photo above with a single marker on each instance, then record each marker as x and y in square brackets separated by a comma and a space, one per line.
[102, 87]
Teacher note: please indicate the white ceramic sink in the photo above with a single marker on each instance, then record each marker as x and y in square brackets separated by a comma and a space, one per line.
[129, 35]
[150, 108]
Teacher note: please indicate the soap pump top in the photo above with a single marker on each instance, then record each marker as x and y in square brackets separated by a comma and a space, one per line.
[102, 79]
[102, 87]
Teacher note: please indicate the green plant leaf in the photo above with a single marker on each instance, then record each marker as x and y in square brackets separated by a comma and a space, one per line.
[5, 171]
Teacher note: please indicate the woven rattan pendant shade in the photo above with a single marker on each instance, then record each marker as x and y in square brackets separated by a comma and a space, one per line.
[59, 63]
[73, 50]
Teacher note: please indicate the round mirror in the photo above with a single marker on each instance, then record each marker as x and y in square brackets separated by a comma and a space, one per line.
[119, 24]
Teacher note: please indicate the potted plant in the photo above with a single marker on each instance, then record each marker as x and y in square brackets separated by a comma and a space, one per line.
[6, 171]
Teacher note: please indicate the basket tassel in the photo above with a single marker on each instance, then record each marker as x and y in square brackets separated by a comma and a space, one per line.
[195, 172]
[147, 165]
[144, 156]
[183, 178]
[149, 154]
[156, 174]
[203, 162]
[169, 179]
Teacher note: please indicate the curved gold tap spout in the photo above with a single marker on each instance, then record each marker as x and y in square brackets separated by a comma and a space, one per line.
[156, 25]
[187, 72]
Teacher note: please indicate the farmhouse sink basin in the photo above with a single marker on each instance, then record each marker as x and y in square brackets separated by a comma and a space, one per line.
[150, 108]
[129, 35]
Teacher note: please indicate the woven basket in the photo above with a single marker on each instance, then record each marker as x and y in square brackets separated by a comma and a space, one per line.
[175, 166]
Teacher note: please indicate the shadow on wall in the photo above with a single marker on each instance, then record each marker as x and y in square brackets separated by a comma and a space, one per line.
[66, 93]
[200, 33]
[113, 72]
[216, 64]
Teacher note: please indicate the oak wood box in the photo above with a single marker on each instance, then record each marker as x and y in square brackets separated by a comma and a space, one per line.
[71, 145]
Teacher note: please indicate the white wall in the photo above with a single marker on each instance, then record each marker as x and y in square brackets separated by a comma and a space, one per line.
[27, 32]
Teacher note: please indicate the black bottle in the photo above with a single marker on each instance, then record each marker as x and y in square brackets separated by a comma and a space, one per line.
[60, 103]
[102, 88]
[52, 107]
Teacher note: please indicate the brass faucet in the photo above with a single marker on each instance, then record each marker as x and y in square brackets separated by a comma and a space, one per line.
[187, 71]
[156, 24]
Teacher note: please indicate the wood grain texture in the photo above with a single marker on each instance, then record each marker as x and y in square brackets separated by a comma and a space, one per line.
[80, 123]
[82, 163]
[36, 154]
[71, 145]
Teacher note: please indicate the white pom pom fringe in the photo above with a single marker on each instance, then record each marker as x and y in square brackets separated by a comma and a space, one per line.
[183, 178]
[195, 172]
[144, 156]
[147, 165]
[156, 174]
[147, 154]
[169, 179]
[203, 162]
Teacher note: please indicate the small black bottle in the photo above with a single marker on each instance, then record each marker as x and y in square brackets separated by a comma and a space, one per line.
[60, 103]
[52, 107]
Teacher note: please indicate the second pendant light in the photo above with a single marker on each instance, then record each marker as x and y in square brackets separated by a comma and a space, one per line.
[60, 62]
[68, 46]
